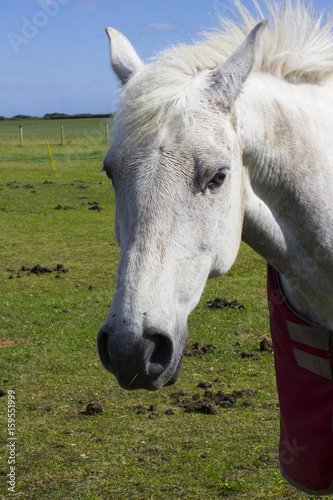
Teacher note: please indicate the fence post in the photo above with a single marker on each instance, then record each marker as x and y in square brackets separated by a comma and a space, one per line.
[62, 135]
[21, 135]
[106, 133]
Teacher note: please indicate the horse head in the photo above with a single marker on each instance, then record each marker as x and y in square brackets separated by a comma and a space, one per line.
[176, 167]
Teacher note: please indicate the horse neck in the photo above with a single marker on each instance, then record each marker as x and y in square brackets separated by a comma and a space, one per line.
[287, 154]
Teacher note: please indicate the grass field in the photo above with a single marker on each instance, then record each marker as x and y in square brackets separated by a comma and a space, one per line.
[142, 445]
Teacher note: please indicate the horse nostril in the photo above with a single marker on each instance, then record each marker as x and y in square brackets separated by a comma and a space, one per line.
[103, 351]
[160, 353]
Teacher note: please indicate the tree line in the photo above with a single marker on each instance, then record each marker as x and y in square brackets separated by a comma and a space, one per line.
[56, 116]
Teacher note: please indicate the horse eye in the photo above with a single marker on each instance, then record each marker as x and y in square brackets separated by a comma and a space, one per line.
[107, 167]
[108, 173]
[216, 181]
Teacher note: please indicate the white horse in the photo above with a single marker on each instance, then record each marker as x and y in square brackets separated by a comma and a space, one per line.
[228, 139]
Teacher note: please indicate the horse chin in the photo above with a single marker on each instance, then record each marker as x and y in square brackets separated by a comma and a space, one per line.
[147, 383]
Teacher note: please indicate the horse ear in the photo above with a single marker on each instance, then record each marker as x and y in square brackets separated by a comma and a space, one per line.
[229, 79]
[125, 61]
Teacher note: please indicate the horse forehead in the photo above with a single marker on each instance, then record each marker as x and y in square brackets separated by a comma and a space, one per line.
[173, 160]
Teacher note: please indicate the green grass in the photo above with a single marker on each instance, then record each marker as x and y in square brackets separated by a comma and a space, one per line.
[49, 358]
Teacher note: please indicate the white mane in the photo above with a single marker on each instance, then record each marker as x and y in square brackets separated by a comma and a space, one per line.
[297, 46]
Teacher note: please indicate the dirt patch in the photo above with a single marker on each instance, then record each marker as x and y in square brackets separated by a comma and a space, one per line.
[205, 385]
[246, 354]
[60, 207]
[38, 269]
[9, 342]
[220, 303]
[94, 205]
[170, 411]
[61, 269]
[209, 401]
[198, 349]
[93, 408]
[266, 344]
[140, 410]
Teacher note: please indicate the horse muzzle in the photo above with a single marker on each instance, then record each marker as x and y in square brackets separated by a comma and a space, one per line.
[148, 362]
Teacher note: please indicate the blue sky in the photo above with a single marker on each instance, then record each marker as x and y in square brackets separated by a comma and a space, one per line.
[55, 55]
